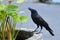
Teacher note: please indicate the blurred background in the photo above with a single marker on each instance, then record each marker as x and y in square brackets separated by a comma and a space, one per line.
[49, 10]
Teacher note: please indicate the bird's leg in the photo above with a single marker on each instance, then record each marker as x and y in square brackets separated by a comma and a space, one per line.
[40, 30]
[36, 28]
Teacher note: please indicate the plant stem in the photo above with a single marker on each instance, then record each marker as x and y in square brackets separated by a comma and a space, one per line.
[3, 38]
[18, 31]
[9, 29]
[3, 31]
[13, 30]
[17, 34]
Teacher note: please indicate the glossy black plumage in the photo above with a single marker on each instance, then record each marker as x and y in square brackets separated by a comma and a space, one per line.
[39, 21]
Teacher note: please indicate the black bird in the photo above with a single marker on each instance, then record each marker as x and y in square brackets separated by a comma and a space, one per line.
[39, 21]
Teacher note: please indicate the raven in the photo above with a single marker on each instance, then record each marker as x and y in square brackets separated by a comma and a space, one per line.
[39, 21]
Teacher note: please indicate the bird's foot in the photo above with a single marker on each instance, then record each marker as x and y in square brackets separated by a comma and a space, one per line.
[35, 31]
[38, 32]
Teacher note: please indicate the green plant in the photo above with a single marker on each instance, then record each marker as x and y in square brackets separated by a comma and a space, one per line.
[8, 19]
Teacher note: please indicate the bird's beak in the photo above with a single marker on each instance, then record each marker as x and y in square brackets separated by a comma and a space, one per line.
[29, 8]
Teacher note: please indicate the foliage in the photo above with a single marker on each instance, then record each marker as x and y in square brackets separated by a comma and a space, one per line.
[8, 19]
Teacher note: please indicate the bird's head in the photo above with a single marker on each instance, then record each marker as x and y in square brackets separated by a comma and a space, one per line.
[32, 10]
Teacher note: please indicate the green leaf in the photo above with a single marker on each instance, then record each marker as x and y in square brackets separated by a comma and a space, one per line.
[12, 8]
[24, 18]
[2, 13]
[2, 7]
[12, 14]
[17, 19]
[0, 16]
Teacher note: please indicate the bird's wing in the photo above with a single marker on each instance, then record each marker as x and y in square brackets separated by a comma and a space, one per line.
[40, 20]
[38, 17]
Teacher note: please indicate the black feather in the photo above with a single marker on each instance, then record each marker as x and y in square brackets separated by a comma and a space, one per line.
[37, 19]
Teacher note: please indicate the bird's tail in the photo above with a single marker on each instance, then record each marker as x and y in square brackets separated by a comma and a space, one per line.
[50, 30]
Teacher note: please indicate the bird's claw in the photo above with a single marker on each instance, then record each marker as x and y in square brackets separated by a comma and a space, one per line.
[34, 31]
[38, 32]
